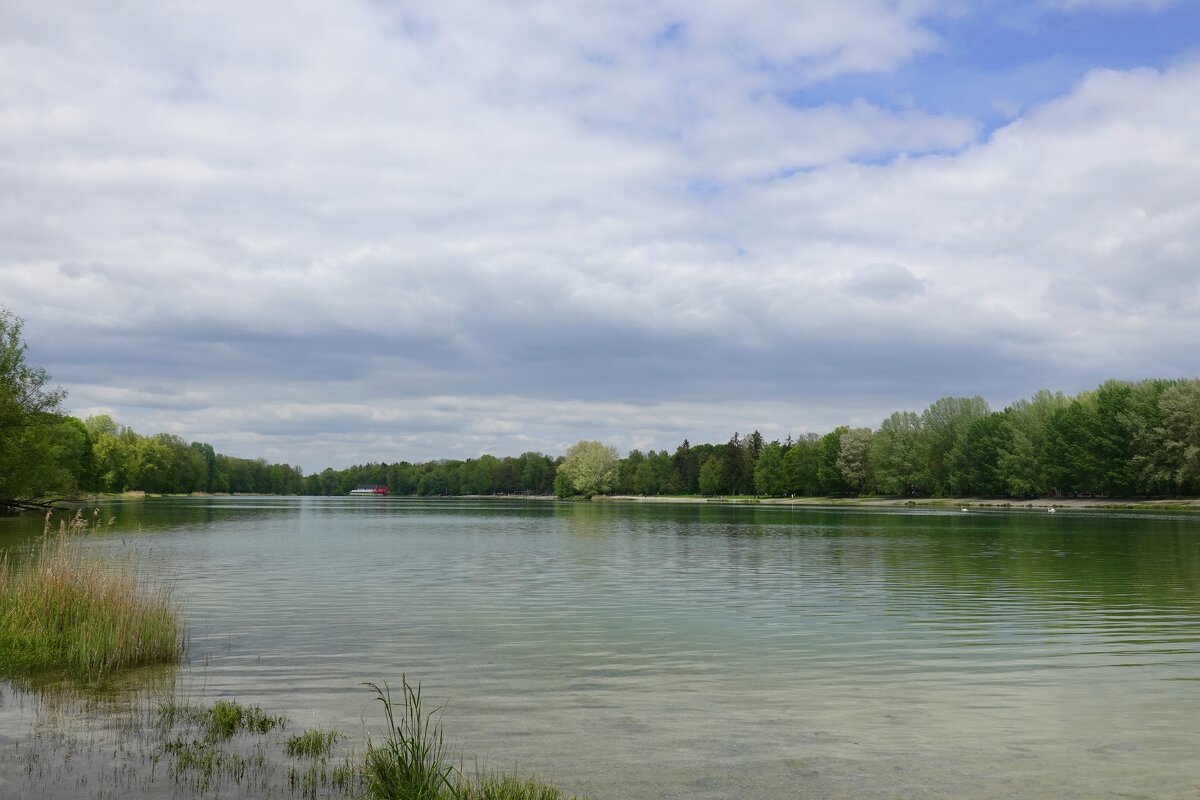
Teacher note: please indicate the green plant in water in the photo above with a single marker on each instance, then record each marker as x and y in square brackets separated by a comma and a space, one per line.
[506, 787]
[65, 610]
[312, 743]
[411, 763]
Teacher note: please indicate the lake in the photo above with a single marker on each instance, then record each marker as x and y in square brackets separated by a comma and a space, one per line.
[627, 650]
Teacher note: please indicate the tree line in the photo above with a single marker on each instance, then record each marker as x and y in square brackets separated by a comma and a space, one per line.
[1120, 439]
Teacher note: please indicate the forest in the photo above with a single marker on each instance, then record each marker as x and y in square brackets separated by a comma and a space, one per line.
[1121, 439]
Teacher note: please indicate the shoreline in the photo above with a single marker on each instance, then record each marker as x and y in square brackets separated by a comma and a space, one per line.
[1072, 503]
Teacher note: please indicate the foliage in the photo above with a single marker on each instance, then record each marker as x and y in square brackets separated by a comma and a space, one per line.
[591, 467]
[896, 454]
[31, 435]
[852, 458]
[768, 472]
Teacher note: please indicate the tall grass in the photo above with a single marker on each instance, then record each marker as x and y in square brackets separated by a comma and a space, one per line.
[413, 762]
[67, 611]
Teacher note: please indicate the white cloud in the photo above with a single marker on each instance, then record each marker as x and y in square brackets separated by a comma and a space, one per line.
[302, 227]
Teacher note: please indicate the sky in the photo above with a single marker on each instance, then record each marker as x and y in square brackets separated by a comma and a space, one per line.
[329, 233]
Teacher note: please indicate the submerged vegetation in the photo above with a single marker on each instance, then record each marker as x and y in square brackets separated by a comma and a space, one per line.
[65, 610]
[228, 748]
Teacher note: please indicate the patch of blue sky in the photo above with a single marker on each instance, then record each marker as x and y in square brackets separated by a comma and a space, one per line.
[670, 35]
[998, 61]
[704, 188]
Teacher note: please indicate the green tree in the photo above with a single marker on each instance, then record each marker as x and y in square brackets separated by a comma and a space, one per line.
[853, 459]
[591, 467]
[737, 469]
[768, 472]
[686, 464]
[1175, 460]
[28, 409]
[800, 466]
[974, 461]
[896, 454]
[711, 477]
[1069, 451]
[563, 487]
[942, 425]
[1022, 463]
[829, 477]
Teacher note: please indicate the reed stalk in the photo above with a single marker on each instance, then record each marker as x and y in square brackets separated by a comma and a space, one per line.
[65, 610]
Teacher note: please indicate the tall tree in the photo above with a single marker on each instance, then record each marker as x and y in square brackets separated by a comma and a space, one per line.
[829, 477]
[974, 462]
[768, 472]
[800, 466]
[942, 425]
[1022, 463]
[896, 454]
[853, 461]
[591, 467]
[29, 408]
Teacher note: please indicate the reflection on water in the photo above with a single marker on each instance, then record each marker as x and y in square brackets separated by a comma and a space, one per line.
[708, 651]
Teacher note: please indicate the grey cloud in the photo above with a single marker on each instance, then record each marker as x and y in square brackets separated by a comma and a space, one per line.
[884, 282]
[473, 237]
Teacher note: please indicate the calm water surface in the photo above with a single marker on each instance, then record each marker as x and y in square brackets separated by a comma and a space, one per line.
[662, 651]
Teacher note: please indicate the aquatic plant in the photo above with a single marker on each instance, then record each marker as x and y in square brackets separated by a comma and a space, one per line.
[66, 610]
[312, 743]
[413, 761]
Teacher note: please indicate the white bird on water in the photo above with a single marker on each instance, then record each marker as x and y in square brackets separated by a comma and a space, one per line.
[1051, 509]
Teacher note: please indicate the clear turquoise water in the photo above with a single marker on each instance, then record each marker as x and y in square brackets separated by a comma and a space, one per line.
[684, 651]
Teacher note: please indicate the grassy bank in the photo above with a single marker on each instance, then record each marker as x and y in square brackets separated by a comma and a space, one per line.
[67, 611]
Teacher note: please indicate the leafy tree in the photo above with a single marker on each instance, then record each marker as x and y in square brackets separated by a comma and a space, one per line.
[1176, 458]
[974, 461]
[768, 472]
[829, 477]
[1022, 463]
[563, 486]
[800, 466]
[1069, 451]
[737, 468]
[755, 445]
[896, 454]
[627, 472]
[853, 463]
[536, 473]
[591, 467]
[1113, 438]
[943, 424]
[711, 477]
[28, 409]
[686, 464]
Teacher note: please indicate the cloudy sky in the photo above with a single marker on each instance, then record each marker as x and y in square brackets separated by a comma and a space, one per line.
[334, 232]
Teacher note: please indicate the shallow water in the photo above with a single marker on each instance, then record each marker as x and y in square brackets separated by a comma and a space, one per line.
[666, 651]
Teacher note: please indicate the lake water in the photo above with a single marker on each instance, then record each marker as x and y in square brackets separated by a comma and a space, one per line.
[706, 651]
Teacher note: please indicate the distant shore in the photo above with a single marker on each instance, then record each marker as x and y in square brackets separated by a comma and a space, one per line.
[1074, 503]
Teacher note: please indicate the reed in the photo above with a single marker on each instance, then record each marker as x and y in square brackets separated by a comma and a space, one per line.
[68, 611]
[413, 762]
